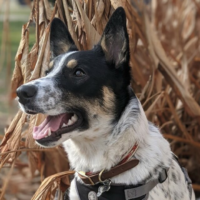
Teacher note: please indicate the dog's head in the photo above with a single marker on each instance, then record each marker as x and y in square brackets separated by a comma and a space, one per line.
[83, 92]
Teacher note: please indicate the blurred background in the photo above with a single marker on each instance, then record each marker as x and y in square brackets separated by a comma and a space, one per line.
[13, 14]
[170, 101]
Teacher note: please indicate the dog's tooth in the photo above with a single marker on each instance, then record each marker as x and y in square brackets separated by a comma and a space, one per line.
[70, 122]
[64, 125]
[49, 132]
[74, 118]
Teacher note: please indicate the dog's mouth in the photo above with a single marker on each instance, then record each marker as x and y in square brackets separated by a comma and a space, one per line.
[54, 126]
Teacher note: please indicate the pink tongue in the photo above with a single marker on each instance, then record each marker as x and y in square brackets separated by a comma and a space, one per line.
[51, 122]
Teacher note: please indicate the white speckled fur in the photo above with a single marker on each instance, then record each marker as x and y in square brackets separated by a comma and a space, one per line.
[48, 97]
[103, 145]
[105, 151]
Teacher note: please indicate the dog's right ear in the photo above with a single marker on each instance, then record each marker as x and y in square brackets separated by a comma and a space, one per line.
[60, 38]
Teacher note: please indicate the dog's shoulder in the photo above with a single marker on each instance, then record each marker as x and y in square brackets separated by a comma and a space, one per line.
[175, 187]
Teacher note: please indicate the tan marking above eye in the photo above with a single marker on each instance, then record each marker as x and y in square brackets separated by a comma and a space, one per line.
[51, 64]
[72, 63]
[109, 97]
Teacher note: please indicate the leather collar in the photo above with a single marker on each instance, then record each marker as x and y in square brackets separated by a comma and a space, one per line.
[105, 175]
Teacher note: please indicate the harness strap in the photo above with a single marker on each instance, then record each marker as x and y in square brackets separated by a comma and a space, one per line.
[139, 191]
[120, 192]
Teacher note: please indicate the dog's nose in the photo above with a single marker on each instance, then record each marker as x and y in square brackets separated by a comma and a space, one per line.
[26, 92]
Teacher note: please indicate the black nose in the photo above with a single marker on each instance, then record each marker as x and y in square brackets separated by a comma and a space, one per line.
[26, 92]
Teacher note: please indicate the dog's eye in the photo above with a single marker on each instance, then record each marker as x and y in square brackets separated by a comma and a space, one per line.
[79, 73]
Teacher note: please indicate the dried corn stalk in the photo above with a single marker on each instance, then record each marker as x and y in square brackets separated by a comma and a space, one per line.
[165, 58]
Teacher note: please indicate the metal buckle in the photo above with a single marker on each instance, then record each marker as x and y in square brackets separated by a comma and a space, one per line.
[162, 176]
[104, 188]
[83, 174]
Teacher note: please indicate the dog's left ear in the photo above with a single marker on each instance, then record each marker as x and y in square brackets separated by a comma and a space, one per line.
[60, 38]
[114, 41]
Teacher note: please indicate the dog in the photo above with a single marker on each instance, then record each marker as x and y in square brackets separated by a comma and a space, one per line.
[94, 114]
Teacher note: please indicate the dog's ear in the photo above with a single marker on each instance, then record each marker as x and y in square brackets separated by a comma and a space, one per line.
[114, 41]
[60, 38]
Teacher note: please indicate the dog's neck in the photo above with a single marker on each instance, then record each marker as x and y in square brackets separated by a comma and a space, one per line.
[105, 151]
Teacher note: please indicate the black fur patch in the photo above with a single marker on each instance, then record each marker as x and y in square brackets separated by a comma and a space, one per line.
[110, 68]
[60, 38]
[105, 66]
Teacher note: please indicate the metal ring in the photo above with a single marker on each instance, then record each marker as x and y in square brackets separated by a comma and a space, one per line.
[100, 174]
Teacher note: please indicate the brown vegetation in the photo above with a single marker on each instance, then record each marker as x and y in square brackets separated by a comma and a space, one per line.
[165, 59]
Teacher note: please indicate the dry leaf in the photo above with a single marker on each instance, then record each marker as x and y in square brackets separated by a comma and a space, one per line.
[164, 45]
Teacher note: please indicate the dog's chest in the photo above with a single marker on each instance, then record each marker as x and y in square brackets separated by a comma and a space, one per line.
[174, 188]
[92, 157]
